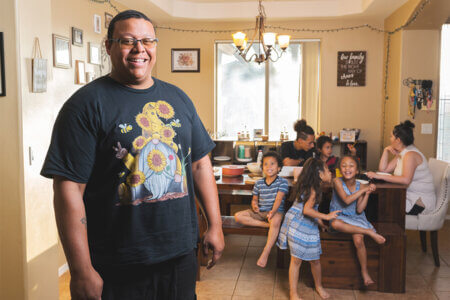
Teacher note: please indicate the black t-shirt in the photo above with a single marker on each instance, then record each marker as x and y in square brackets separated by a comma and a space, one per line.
[133, 149]
[288, 151]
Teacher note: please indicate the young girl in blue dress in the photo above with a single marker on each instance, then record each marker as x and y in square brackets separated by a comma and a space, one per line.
[351, 197]
[300, 230]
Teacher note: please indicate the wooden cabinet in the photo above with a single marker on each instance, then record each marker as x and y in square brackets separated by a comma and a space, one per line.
[341, 149]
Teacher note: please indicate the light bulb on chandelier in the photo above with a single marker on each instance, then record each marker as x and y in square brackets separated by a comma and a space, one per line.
[265, 40]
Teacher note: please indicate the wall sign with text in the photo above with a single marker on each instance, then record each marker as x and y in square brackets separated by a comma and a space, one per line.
[351, 68]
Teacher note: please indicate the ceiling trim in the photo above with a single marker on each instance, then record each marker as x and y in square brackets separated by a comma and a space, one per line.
[249, 9]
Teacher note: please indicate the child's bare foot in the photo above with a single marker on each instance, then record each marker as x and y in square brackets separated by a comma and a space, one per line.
[322, 293]
[379, 239]
[367, 279]
[262, 260]
[294, 297]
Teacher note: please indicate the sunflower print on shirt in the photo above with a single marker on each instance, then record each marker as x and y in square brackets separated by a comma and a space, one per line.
[155, 171]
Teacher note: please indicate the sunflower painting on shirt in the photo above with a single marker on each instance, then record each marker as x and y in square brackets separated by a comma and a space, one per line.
[154, 170]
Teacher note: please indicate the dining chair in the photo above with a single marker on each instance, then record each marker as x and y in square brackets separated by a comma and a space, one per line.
[434, 220]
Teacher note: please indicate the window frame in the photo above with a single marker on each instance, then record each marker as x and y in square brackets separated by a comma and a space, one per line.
[267, 83]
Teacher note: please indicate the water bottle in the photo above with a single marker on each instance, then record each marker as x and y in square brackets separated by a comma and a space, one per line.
[259, 158]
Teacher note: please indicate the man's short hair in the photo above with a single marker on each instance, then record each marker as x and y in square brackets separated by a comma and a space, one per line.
[124, 15]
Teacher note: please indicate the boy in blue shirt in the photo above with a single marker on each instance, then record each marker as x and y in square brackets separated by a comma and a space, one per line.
[267, 209]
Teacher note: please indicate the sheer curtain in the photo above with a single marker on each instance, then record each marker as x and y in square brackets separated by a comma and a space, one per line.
[310, 84]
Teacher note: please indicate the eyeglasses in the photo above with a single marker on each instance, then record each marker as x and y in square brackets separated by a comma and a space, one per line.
[128, 43]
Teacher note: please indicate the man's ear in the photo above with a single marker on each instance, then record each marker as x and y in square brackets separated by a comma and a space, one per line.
[108, 46]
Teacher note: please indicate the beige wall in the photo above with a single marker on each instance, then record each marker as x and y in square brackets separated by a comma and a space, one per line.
[420, 60]
[392, 108]
[355, 107]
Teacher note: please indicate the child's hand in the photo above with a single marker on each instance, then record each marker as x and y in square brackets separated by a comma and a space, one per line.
[333, 215]
[352, 149]
[322, 225]
[372, 187]
[255, 207]
[270, 215]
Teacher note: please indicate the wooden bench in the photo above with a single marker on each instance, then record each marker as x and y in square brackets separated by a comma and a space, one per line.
[340, 266]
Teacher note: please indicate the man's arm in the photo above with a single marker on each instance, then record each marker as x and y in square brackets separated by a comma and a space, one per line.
[291, 162]
[70, 214]
[206, 189]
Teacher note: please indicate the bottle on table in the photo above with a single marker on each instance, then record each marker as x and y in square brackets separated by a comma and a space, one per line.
[259, 158]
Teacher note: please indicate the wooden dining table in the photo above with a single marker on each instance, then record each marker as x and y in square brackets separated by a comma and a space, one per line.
[385, 209]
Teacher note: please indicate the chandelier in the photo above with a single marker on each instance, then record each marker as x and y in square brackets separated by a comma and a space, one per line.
[265, 40]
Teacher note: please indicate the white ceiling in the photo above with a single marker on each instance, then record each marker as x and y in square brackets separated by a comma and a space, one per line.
[245, 10]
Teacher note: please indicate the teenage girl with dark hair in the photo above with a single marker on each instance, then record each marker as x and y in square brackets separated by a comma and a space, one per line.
[295, 153]
[410, 167]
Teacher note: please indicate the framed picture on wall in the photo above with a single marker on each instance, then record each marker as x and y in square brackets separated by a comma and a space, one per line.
[39, 75]
[80, 73]
[97, 24]
[94, 54]
[108, 18]
[62, 56]
[2, 67]
[77, 37]
[186, 60]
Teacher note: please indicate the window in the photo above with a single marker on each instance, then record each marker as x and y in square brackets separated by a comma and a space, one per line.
[251, 96]
[443, 140]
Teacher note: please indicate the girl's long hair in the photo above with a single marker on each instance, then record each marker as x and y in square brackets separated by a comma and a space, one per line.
[309, 180]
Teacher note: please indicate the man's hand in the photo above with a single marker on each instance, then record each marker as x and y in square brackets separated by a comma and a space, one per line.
[86, 286]
[213, 240]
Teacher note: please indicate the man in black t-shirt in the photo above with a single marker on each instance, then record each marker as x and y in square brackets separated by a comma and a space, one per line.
[126, 153]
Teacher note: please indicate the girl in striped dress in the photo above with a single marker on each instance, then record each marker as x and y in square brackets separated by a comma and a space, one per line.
[351, 197]
[300, 232]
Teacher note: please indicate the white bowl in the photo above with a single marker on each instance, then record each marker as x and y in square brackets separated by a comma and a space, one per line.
[254, 168]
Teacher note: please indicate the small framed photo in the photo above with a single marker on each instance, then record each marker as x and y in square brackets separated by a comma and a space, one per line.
[2, 67]
[97, 24]
[94, 54]
[108, 18]
[347, 136]
[80, 73]
[186, 60]
[62, 56]
[77, 37]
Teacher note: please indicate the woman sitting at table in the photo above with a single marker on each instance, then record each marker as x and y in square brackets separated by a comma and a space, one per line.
[410, 167]
[295, 153]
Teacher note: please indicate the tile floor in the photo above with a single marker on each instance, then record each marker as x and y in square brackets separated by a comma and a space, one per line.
[236, 275]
